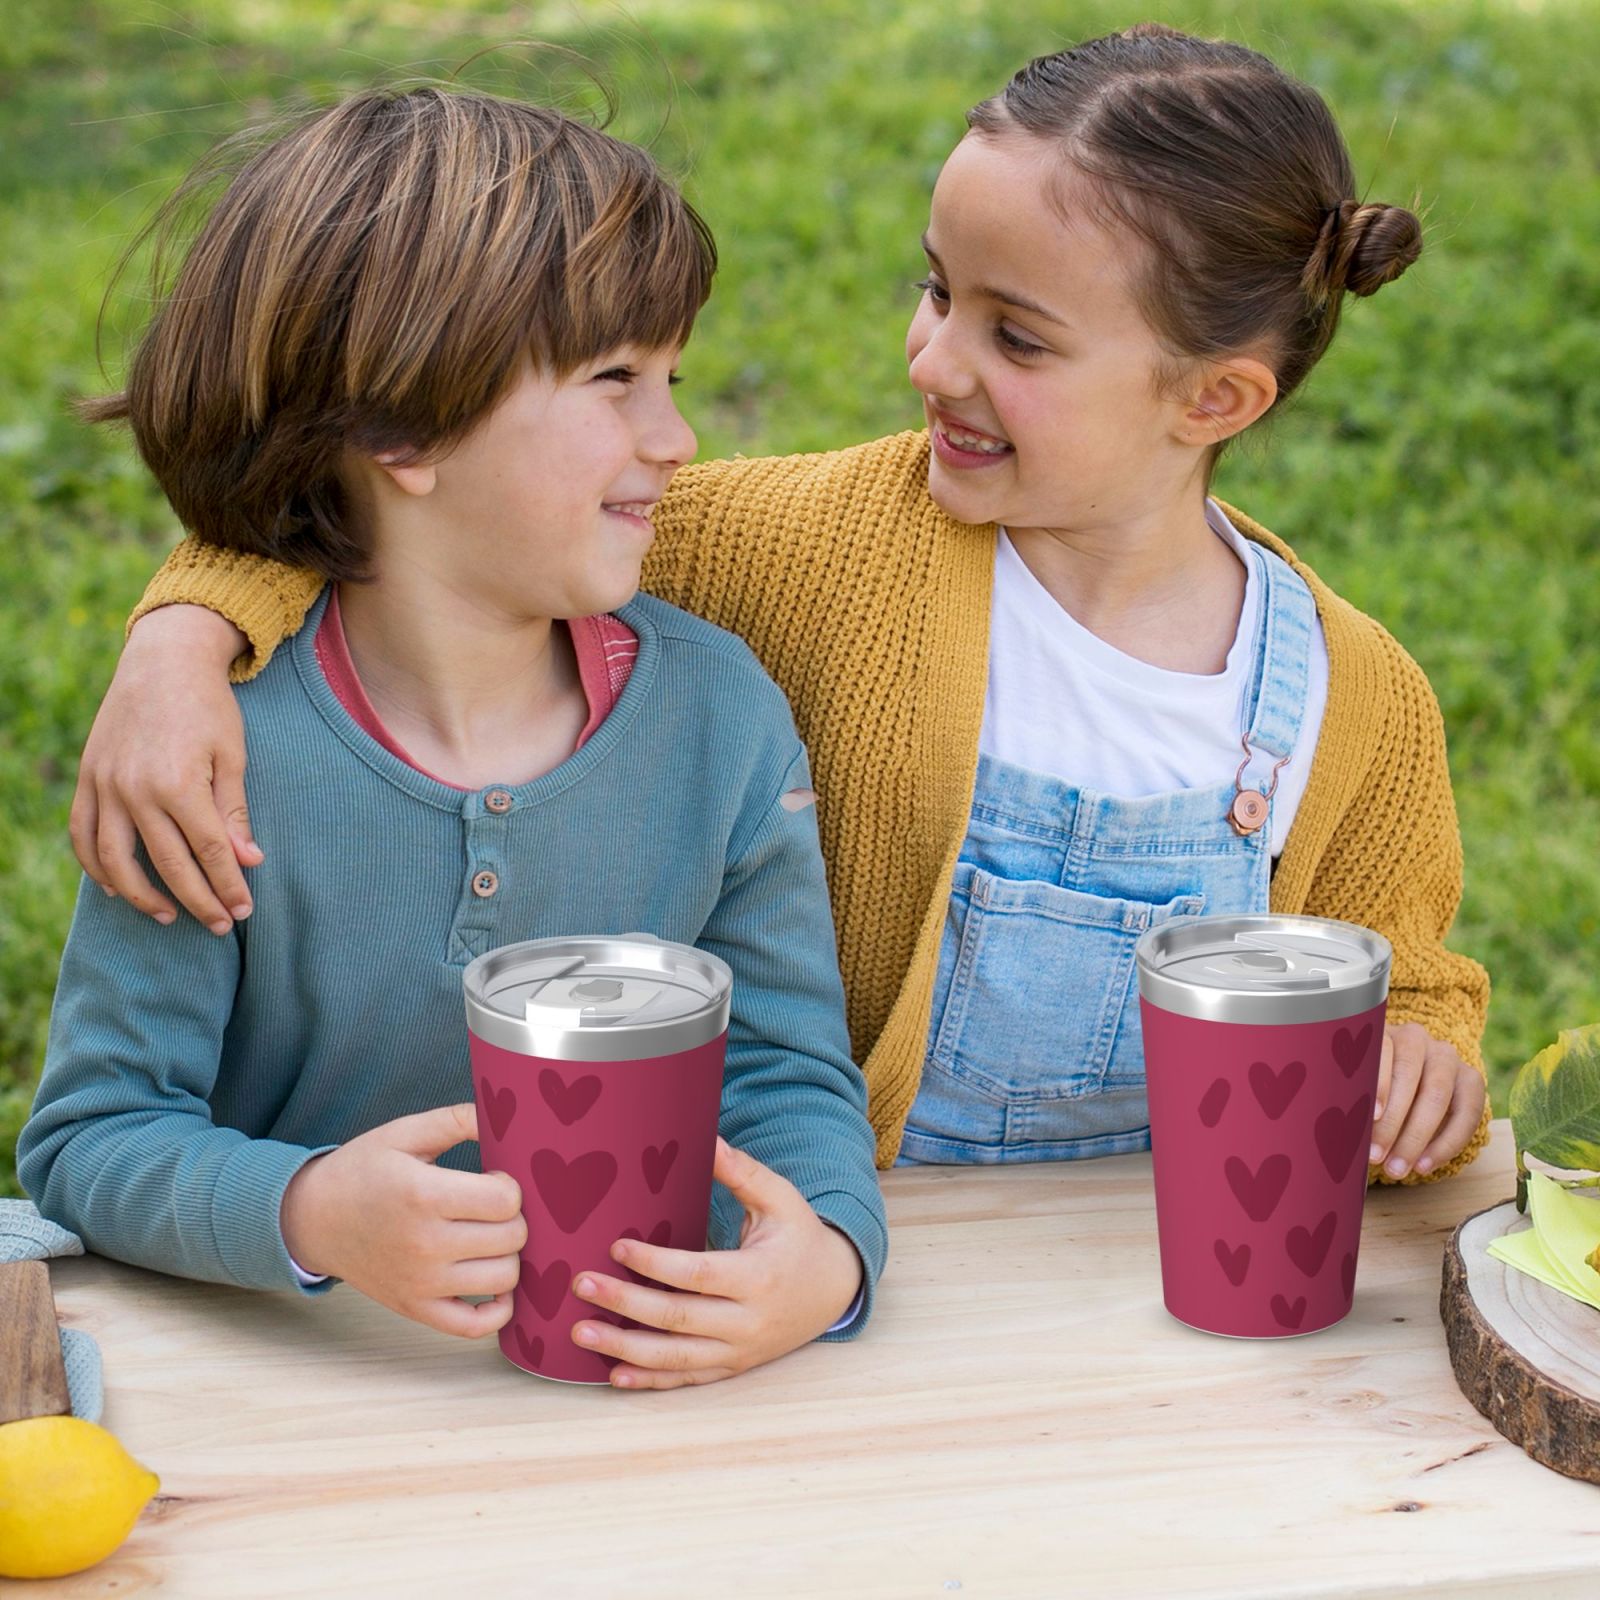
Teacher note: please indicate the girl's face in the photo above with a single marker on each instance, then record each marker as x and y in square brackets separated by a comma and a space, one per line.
[1037, 369]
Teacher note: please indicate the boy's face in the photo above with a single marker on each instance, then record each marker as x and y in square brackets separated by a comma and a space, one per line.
[543, 508]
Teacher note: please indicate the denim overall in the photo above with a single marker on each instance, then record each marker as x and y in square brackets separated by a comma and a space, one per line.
[1035, 1051]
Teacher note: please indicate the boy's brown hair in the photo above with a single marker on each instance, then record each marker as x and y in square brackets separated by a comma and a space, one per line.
[375, 279]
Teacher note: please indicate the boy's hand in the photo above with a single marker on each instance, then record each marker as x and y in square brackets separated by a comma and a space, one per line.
[412, 1236]
[165, 760]
[791, 1278]
[1429, 1101]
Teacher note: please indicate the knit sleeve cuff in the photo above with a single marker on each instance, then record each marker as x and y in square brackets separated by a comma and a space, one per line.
[246, 1212]
[264, 599]
[865, 1230]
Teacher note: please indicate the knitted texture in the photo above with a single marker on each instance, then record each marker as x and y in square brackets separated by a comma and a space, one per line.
[870, 607]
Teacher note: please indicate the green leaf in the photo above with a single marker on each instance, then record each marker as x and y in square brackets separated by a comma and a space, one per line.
[1555, 1102]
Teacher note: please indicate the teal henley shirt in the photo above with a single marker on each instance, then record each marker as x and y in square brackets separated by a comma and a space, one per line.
[188, 1077]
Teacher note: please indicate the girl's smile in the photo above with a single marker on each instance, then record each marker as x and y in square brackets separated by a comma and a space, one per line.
[960, 445]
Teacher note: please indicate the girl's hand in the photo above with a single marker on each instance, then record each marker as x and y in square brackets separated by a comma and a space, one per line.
[1429, 1101]
[165, 759]
[790, 1279]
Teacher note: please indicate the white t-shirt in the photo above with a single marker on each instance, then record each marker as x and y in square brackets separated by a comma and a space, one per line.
[1064, 702]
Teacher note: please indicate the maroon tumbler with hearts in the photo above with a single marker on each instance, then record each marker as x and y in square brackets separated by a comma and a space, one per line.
[597, 1066]
[1262, 1036]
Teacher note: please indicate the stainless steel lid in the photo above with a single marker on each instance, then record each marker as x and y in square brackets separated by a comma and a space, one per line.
[1266, 969]
[622, 998]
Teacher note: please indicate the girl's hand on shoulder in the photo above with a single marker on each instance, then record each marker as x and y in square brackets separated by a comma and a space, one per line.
[1429, 1102]
[792, 1278]
[165, 763]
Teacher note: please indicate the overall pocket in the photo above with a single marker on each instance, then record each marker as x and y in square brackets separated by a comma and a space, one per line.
[1041, 1010]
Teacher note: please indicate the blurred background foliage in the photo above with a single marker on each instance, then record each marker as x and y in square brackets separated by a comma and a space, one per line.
[1438, 469]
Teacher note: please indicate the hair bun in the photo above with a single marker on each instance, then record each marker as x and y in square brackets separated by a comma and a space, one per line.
[1361, 248]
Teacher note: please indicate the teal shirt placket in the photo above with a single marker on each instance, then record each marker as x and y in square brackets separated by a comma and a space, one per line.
[1034, 1044]
[477, 926]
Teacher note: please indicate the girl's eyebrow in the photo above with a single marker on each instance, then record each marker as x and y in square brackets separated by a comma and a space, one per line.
[1004, 296]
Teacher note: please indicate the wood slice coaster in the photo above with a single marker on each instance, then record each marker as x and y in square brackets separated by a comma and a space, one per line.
[1526, 1355]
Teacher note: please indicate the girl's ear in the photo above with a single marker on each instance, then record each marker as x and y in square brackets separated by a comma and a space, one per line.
[413, 478]
[1235, 393]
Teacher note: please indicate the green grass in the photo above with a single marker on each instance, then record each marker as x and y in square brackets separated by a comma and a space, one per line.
[1437, 469]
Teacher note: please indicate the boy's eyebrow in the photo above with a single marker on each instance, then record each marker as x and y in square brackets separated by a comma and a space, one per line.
[1005, 296]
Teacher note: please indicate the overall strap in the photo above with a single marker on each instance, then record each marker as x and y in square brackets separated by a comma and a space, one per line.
[1278, 689]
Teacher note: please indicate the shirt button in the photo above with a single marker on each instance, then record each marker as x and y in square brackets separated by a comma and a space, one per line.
[485, 884]
[497, 801]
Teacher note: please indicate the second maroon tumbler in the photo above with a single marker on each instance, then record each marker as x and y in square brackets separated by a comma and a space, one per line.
[1262, 1036]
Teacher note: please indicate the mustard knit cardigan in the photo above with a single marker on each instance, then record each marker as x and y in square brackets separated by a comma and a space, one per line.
[870, 607]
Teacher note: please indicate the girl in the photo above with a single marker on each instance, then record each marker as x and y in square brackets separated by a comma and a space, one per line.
[423, 345]
[1042, 672]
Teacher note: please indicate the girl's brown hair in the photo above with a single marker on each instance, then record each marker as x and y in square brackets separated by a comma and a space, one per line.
[375, 279]
[1235, 175]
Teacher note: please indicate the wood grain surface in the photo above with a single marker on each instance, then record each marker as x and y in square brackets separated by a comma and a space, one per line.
[1021, 1419]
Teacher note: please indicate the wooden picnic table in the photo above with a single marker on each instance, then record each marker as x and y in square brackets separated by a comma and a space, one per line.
[1022, 1418]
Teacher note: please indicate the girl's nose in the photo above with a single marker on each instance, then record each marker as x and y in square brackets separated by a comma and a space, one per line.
[937, 366]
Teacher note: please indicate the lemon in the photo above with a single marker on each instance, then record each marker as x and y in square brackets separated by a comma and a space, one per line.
[69, 1495]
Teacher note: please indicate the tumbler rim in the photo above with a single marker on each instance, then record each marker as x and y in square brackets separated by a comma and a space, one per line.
[608, 955]
[1353, 979]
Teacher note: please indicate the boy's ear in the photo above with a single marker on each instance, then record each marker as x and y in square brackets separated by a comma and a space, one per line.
[1235, 393]
[409, 477]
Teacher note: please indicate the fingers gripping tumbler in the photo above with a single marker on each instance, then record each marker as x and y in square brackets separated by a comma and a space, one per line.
[597, 1068]
[1262, 1036]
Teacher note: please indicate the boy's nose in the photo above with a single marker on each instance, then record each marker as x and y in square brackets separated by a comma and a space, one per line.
[669, 440]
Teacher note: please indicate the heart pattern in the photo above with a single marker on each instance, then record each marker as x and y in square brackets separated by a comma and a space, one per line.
[500, 1105]
[1350, 1050]
[1260, 1181]
[1308, 1249]
[545, 1291]
[1341, 1133]
[1286, 1315]
[658, 1163]
[572, 1189]
[1260, 1191]
[1275, 1090]
[571, 1102]
[1234, 1263]
[660, 1235]
[1214, 1102]
[576, 1135]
